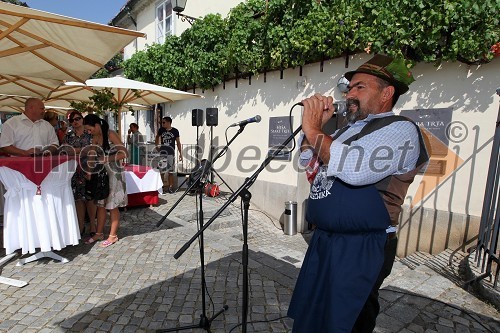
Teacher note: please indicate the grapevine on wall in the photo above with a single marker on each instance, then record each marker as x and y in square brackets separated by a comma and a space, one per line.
[260, 35]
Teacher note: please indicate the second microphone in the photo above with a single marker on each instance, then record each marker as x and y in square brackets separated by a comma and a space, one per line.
[255, 119]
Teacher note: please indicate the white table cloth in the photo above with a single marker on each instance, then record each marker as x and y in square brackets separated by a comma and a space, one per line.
[46, 221]
[151, 181]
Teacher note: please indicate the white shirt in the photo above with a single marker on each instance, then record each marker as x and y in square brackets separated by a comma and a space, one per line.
[21, 132]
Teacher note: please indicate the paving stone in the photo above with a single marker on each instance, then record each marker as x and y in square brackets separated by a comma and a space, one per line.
[138, 286]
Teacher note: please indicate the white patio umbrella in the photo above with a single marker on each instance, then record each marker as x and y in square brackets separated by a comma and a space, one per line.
[40, 50]
[124, 90]
[27, 86]
[16, 101]
[20, 109]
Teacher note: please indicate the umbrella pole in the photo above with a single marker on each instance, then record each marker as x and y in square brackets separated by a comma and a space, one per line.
[125, 130]
[119, 127]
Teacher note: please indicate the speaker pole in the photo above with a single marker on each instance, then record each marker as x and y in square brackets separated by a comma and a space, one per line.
[211, 153]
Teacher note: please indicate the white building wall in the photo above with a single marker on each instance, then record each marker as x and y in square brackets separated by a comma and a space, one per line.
[200, 8]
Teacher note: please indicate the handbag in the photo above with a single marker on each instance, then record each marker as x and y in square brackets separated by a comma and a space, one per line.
[97, 187]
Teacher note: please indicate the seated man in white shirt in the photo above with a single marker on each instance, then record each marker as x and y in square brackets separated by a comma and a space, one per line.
[28, 134]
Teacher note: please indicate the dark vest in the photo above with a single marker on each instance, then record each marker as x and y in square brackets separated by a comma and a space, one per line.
[392, 188]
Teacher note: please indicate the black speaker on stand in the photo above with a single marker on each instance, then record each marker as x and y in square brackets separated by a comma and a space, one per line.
[213, 120]
[212, 117]
[197, 117]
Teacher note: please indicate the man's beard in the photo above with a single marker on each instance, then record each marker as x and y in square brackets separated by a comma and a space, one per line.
[357, 114]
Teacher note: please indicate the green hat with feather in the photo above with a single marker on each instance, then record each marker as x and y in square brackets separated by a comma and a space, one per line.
[392, 70]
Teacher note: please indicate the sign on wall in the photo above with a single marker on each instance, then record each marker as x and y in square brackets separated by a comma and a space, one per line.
[434, 124]
[433, 120]
[279, 131]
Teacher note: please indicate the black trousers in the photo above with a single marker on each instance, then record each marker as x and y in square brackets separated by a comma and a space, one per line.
[368, 316]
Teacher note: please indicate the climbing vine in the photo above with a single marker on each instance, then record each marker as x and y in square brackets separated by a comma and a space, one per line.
[260, 35]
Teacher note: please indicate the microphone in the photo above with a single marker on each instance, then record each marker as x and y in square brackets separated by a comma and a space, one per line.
[340, 107]
[255, 119]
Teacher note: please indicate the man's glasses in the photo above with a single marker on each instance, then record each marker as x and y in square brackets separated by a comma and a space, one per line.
[75, 119]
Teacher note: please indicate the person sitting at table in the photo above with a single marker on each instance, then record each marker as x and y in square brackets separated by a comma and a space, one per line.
[110, 151]
[51, 117]
[28, 134]
[76, 140]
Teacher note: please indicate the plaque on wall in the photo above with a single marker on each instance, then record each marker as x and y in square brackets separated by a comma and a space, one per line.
[279, 131]
[433, 120]
[433, 124]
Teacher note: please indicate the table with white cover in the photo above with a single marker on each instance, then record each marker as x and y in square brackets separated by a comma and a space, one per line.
[39, 208]
[143, 185]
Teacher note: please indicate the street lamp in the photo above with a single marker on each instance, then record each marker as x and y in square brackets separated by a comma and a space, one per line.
[343, 84]
[178, 6]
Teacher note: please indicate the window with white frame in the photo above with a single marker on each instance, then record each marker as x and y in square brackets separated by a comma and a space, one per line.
[163, 21]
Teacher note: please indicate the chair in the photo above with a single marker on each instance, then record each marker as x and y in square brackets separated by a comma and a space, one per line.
[188, 164]
[184, 169]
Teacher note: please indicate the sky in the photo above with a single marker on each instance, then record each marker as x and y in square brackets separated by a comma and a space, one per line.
[99, 11]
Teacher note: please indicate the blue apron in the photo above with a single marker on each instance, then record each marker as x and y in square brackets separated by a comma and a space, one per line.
[344, 257]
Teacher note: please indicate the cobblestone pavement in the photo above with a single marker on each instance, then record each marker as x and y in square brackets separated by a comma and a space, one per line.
[136, 285]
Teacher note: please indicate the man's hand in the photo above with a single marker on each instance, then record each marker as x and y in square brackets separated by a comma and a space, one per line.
[318, 109]
[31, 152]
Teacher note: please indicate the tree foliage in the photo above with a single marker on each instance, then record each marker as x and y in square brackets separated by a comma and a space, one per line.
[260, 35]
[16, 2]
[102, 101]
[114, 64]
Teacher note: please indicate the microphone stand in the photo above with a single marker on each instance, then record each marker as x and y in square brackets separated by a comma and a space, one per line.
[245, 196]
[205, 322]
[205, 168]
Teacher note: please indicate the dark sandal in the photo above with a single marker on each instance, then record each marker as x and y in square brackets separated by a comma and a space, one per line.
[92, 240]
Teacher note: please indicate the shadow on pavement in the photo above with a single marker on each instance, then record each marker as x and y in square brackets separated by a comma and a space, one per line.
[176, 301]
[401, 309]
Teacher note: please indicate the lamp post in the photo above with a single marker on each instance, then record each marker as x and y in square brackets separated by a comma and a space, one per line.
[342, 84]
[178, 6]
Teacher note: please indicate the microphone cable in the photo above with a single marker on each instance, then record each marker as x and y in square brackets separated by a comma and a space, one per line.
[294, 145]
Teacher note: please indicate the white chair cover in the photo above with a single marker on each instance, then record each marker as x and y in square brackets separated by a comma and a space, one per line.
[47, 221]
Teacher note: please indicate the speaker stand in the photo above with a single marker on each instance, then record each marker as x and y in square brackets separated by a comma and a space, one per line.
[212, 170]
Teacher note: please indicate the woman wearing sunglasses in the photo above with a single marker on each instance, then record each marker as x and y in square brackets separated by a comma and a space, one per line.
[77, 139]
